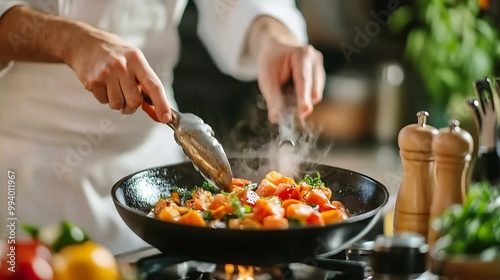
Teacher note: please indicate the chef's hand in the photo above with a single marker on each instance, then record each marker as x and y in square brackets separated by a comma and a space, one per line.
[113, 71]
[109, 68]
[281, 58]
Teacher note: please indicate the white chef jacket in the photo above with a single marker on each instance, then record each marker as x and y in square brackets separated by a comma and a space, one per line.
[66, 149]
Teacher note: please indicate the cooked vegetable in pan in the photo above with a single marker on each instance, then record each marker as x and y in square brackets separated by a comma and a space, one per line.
[278, 202]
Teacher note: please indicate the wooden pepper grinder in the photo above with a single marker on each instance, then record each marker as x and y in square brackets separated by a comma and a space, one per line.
[452, 149]
[415, 193]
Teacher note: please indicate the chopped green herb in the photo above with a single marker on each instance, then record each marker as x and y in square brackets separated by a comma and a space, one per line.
[314, 182]
[207, 215]
[248, 209]
[294, 223]
[239, 210]
[209, 187]
[252, 186]
[314, 206]
[184, 194]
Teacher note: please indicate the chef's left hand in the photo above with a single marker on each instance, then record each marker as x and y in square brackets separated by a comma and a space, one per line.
[281, 58]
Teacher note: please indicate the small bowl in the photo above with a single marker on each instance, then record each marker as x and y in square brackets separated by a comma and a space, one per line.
[464, 267]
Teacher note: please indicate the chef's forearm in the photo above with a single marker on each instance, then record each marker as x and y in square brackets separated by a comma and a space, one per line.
[29, 35]
[265, 30]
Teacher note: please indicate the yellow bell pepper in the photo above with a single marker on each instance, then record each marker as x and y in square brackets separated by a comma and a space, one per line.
[85, 261]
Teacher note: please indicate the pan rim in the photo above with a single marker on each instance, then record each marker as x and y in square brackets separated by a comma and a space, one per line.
[354, 219]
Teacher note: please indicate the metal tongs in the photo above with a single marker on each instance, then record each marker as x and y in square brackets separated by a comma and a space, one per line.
[287, 117]
[199, 144]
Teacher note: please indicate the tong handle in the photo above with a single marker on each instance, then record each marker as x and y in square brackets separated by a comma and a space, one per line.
[148, 107]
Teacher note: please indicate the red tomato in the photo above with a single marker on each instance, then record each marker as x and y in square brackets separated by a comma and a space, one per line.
[25, 260]
[285, 191]
[315, 219]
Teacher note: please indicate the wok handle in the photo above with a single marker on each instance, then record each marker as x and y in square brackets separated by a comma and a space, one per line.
[351, 241]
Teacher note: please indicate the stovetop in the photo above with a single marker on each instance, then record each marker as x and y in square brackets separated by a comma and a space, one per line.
[150, 264]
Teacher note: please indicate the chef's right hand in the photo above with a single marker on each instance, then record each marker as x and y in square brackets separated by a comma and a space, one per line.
[112, 70]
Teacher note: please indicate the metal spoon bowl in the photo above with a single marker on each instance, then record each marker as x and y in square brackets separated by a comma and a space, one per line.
[199, 144]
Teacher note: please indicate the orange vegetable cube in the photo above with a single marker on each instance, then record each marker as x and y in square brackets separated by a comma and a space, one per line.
[221, 211]
[298, 211]
[176, 198]
[289, 202]
[277, 178]
[240, 182]
[169, 214]
[218, 200]
[327, 192]
[273, 222]
[314, 196]
[192, 217]
[159, 205]
[333, 216]
[266, 188]
[267, 207]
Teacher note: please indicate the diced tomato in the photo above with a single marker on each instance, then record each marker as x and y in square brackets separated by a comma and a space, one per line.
[169, 214]
[192, 217]
[288, 202]
[273, 222]
[267, 207]
[218, 200]
[266, 188]
[240, 182]
[249, 197]
[332, 216]
[277, 178]
[315, 196]
[299, 211]
[315, 219]
[285, 191]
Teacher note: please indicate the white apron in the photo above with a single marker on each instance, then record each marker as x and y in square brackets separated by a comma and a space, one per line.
[67, 150]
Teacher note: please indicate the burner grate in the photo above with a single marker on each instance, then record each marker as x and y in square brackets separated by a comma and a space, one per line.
[156, 266]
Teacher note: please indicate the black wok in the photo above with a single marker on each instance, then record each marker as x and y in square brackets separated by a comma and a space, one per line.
[135, 195]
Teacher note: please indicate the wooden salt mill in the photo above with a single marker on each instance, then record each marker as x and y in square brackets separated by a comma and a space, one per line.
[452, 149]
[415, 193]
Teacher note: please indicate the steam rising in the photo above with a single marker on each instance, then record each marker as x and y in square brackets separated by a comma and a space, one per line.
[285, 158]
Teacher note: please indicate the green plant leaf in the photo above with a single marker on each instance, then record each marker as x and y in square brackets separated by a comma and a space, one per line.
[400, 19]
